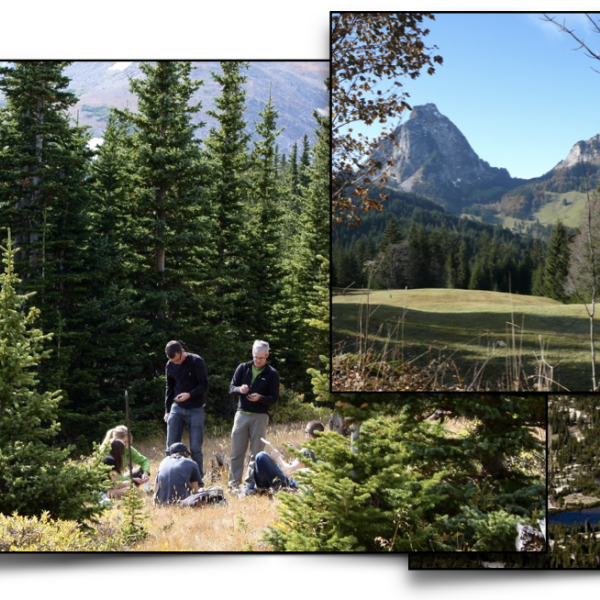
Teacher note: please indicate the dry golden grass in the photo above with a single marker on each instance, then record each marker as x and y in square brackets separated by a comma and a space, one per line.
[236, 526]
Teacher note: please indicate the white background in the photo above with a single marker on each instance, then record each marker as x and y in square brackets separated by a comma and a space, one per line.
[130, 29]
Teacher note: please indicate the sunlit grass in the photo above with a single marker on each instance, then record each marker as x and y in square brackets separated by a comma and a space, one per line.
[236, 526]
[470, 327]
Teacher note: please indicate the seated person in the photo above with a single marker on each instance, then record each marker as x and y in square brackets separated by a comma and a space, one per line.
[115, 460]
[273, 471]
[139, 475]
[178, 476]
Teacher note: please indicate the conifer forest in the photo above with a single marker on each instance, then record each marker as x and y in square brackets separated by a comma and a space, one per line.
[158, 234]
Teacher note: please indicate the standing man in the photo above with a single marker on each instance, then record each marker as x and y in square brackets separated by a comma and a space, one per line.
[185, 397]
[256, 385]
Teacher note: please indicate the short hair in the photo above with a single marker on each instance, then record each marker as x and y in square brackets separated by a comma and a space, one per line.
[173, 348]
[178, 448]
[260, 346]
[314, 426]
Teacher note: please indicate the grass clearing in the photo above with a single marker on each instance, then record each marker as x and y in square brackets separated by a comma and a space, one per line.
[507, 335]
[234, 527]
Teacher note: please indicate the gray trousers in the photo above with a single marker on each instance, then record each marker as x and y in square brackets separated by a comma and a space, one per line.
[247, 429]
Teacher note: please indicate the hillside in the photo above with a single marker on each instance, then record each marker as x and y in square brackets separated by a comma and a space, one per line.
[297, 89]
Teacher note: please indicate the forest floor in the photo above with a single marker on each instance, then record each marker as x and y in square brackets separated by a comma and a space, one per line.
[464, 339]
[235, 526]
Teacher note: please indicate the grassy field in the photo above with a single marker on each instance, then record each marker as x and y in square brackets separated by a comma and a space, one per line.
[236, 526]
[499, 341]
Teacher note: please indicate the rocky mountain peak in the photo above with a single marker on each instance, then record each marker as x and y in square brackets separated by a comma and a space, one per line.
[582, 152]
[431, 157]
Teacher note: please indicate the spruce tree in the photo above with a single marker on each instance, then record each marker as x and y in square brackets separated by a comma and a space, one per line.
[303, 167]
[411, 485]
[556, 266]
[170, 224]
[110, 317]
[391, 235]
[44, 196]
[310, 246]
[35, 474]
[230, 312]
[265, 228]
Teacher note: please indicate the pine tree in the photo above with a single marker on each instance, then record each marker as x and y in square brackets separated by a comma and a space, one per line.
[265, 279]
[230, 311]
[304, 166]
[310, 247]
[557, 263]
[412, 486]
[109, 317]
[44, 195]
[170, 224]
[391, 235]
[320, 379]
[35, 475]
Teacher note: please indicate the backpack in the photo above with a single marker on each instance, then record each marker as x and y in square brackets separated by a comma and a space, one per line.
[211, 495]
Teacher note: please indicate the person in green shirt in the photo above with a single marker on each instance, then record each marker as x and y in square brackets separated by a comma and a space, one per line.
[256, 385]
[139, 475]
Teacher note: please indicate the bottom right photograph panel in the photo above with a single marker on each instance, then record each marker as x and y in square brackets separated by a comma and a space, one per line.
[573, 518]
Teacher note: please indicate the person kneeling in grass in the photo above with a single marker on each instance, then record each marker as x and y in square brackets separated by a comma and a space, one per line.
[120, 483]
[274, 472]
[139, 475]
[178, 476]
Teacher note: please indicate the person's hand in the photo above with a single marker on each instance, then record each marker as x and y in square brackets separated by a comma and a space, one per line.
[139, 480]
[182, 397]
[166, 417]
[244, 389]
[254, 397]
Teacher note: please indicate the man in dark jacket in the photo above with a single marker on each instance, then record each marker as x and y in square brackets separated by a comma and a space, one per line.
[256, 385]
[185, 397]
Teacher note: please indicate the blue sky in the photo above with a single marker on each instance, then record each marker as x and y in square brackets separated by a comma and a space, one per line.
[513, 85]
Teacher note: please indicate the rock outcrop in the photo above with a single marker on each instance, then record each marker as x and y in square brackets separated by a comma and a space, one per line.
[432, 158]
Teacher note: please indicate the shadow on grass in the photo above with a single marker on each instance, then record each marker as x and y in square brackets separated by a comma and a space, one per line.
[484, 350]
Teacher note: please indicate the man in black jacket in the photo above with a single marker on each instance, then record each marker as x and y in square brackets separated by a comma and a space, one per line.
[256, 385]
[185, 397]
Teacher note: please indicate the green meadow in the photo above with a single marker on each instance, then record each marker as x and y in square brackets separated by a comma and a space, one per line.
[495, 338]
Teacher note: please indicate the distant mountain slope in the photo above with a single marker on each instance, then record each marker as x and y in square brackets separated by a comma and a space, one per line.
[297, 89]
[564, 185]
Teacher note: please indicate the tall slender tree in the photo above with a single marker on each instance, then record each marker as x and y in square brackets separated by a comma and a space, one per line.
[169, 204]
[310, 250]
[557, 263]
[230, 313]
[44, 196]
[265, 279]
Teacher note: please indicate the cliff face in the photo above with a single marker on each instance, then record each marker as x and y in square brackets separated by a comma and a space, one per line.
[433, 158]
[584, 151]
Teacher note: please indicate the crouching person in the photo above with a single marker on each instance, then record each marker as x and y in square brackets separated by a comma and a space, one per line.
[178, 476]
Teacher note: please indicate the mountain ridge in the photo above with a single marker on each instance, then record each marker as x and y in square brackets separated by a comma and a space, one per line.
[297, 89]
[431, 157]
